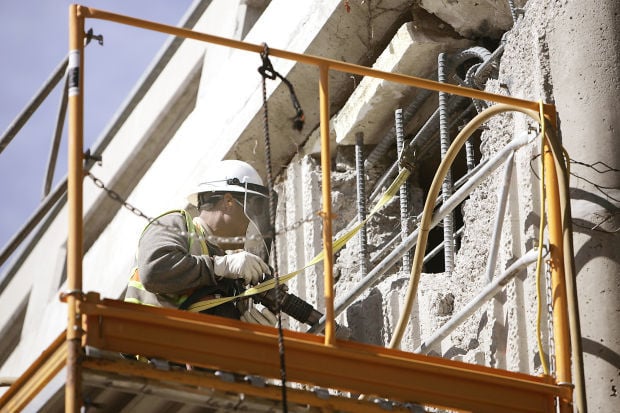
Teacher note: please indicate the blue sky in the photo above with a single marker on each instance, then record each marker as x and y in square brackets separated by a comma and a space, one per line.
[33, 41]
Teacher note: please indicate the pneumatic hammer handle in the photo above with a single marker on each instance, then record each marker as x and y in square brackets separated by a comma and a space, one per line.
[295, 307]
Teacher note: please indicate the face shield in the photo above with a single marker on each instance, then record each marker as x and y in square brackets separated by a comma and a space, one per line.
[255, 202]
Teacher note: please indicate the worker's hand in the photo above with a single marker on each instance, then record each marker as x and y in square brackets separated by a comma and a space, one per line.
[263, 317]
[240, 265]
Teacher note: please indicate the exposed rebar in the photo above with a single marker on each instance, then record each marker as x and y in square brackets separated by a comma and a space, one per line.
[446, 189]
[484, 70]
[404, 189]
[390, 244]
[387, 141]
[361, 201]
[513, 10]
[429, 129]
[421, 140]
[376, 274]
[470, 156]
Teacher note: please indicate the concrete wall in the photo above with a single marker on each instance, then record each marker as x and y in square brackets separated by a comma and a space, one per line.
[563, 52]
[586, 87]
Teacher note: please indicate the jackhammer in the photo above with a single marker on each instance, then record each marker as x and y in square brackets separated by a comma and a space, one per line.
[294, 306]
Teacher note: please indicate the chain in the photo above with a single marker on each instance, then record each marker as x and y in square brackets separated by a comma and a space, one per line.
[154, 221]
[267, 71]
[312, 216]
[116, 197]
[232, 240]
[549, 298]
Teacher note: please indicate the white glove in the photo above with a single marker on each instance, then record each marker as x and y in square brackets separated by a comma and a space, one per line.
[263, 317]
[240, 265]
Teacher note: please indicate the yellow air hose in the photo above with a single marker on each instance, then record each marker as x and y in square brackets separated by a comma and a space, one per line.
[425, 221]
[424, 225]
[568, 255]
[541, 233]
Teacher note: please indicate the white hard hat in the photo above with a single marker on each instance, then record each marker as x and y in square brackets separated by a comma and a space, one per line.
[230, 176]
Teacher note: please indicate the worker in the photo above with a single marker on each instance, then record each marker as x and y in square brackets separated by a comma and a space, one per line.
[182, 261]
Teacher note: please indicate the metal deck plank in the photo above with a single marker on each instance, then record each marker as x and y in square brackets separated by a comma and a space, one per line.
[247, 348]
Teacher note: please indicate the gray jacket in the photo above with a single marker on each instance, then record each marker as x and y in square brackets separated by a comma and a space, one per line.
[172, 269]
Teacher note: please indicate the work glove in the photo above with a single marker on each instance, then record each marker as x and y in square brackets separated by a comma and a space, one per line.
[242, 264]
[256, 316]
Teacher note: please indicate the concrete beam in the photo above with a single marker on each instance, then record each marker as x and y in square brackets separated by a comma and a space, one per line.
[364, 31]
[474, 19]
[412, 51]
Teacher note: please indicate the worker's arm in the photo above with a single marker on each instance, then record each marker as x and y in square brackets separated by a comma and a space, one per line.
[165, 263]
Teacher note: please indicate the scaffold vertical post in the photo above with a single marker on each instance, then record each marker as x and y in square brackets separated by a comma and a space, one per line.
[327, 205]
[73, 394]
[560, 307]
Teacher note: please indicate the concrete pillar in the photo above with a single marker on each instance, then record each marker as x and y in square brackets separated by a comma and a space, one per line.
[583, 43]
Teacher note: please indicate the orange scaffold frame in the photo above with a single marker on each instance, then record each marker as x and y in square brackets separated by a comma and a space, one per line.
[326, 362]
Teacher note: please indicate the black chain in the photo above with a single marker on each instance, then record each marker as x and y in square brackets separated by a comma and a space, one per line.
[231, 240]
[267, 72]
[112, 194]
[116, 197]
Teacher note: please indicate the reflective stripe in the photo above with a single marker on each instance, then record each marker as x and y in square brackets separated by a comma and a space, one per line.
[201, 237]
[136, 284]
[181, 299]
[136, 293]
[136, 301]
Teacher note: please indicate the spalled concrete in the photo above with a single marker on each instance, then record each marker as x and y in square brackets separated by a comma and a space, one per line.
[563, 51]
[502, 333]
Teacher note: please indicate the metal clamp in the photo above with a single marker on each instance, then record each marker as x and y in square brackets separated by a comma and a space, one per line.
[92, 157]
[90, 36]
[255, 381]
[79, 294]
[408, 157]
